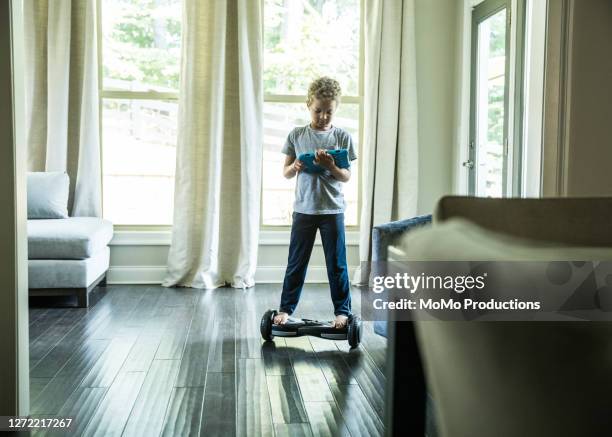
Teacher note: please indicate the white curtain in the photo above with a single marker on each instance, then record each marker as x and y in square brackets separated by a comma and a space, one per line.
[61, 81]
[218, 171]
[390, 181]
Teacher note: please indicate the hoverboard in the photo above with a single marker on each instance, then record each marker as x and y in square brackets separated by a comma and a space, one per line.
[300, 327]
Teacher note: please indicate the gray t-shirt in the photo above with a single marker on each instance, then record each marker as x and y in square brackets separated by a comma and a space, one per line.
[318, 193]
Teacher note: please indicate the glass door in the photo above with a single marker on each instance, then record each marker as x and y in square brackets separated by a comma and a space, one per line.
[488, 146]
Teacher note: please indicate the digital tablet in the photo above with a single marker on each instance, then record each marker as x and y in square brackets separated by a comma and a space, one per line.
[340, 158]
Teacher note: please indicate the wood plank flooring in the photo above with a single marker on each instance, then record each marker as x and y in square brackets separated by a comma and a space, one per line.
[153, 361]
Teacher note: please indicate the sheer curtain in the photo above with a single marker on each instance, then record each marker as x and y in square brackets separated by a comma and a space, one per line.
[218, 171]
[390, 182]
[61, 84]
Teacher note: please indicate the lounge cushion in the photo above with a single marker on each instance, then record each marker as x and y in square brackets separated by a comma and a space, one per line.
[48, 195]
[67, 273]
[70, 238]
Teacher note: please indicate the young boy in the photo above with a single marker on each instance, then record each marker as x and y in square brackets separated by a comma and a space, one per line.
[319, 202]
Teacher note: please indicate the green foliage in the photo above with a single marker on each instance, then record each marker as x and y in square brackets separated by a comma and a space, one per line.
[304, 39]
[495, 133]
[497, 41]
[142, 42]
[497, 49]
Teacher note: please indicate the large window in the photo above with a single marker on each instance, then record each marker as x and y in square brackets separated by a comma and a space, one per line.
[140, 59]
[305, 39]
[139, 65]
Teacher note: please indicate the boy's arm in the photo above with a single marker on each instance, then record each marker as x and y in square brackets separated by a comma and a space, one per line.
[292, 166]
[325, 160]
[342, 174]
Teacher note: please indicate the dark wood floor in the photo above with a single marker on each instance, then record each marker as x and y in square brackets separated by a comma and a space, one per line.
[148, 360]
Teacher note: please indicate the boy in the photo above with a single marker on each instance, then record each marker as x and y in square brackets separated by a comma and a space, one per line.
[319, 202]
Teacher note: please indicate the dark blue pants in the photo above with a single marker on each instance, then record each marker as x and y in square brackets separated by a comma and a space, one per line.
[303, 233]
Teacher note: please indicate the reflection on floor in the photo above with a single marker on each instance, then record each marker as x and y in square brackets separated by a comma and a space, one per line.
[148, 360]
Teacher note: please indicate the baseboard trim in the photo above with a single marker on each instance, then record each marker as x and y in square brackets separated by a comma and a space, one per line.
[136, 275]
[164, 238]
[264, 274]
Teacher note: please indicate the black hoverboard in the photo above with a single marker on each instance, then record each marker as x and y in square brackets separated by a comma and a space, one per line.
[299, 327]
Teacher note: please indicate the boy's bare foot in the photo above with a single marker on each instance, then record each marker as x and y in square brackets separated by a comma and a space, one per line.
[340, 322]
[281, 318]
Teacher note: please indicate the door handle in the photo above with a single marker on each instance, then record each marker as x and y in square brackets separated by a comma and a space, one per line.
[469, 164]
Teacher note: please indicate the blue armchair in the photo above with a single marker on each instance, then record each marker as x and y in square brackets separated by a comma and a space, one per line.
[383, 236]
[386, 235]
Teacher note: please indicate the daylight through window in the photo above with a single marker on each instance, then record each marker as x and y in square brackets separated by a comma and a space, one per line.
[140, 59]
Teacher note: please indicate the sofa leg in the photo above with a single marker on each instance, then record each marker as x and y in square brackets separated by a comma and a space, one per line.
[82, 298]
[102, 283]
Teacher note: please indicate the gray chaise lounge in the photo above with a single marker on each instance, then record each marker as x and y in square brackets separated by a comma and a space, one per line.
[66, 255]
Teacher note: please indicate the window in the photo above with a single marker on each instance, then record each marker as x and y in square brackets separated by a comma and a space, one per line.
[495, 146]
[489, 115]
[305, 39]
[140, 43]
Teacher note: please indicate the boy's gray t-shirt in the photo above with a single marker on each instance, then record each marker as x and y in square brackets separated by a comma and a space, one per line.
[318, 193]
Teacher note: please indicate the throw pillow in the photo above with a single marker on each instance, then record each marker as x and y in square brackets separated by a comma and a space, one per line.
[48, 195]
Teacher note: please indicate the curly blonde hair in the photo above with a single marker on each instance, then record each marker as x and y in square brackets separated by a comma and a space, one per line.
[324, 88]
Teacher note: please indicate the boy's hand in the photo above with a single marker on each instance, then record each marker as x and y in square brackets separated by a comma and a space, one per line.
[324, 159]
[298, 165]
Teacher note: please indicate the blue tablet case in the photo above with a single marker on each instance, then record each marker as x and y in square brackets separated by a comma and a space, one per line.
[340, 157]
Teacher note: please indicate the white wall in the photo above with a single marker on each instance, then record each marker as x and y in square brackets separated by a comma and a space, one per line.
[577, 133]
[589, 154]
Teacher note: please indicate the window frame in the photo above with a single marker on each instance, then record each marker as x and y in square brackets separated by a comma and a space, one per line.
[301, 98]
[130, 95]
